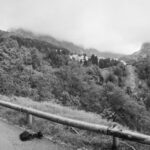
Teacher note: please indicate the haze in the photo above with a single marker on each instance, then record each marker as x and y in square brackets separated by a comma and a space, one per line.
[118, 26]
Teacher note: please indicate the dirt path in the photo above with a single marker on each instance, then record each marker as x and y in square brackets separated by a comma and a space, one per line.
[9, 140]
[131, 77]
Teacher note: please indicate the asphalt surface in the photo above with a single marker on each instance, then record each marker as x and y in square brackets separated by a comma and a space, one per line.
[9, 140]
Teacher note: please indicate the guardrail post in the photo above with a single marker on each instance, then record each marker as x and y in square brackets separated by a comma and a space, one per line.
[115, 143]
[29, 119]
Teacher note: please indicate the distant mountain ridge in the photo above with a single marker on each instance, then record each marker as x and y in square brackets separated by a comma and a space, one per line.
[48, 38]
[68, 45]
[138, 55]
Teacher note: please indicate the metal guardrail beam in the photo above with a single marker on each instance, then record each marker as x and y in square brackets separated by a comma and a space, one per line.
[124, 134]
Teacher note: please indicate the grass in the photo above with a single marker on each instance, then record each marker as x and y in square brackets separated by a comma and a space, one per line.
[58, 110]
[57, 132]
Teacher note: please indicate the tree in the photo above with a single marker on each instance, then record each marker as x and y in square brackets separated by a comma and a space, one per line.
[95, 74]
[85, 62]
[94, 59]
[36, 58]
[111, 78]
[147, 101]
[127, 110]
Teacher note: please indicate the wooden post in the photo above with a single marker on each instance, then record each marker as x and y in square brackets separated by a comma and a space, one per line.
[29, 119]
[115, 143]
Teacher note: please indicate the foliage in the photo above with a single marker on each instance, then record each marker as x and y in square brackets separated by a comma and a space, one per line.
[126, 109]
[94, 59]
[43, 72]
[143, 69]
[105, 63]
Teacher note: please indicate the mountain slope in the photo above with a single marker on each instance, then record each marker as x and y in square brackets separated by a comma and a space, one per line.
[68, 45]
[49, 39]
[139, 55]
[103, 54]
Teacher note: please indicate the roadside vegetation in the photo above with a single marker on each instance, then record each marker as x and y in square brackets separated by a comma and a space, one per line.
[56, 132]
[77, 139]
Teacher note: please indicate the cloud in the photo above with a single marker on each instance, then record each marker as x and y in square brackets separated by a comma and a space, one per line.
[119, 26]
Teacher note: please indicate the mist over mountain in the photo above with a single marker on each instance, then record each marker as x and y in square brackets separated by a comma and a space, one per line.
[139, 55]
[73, 48]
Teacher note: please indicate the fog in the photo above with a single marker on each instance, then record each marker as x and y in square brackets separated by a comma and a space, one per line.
[118, 26]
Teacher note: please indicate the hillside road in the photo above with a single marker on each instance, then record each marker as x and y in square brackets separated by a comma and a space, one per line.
[9, 140]
[131, 77]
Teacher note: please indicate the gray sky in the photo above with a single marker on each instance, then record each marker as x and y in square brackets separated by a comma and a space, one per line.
[107, 25]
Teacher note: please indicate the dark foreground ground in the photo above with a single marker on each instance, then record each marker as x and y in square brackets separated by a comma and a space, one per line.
[9, 140]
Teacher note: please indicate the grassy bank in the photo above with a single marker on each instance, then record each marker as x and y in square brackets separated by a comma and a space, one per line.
[59, 133]
[58, 110]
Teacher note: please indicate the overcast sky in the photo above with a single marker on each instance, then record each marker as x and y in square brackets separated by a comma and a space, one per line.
[107, 25]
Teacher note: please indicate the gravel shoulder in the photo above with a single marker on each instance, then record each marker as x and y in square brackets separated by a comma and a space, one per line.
[9, 140]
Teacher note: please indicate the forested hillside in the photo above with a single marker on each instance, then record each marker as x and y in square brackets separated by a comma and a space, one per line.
[73, 48]
[44, 72]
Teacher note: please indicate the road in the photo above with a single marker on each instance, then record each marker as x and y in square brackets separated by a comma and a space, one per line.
[9, 140]
[131, 78]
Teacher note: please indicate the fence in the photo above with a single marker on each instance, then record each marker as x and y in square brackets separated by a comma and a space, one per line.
[114, 132]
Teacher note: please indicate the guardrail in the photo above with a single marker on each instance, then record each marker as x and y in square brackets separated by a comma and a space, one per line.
[114, 132]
